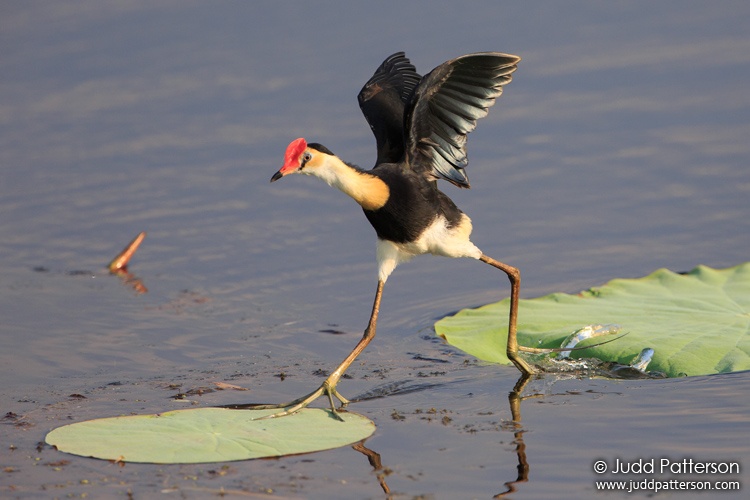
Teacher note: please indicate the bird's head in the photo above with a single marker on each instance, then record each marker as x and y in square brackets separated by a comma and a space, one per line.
[315, 159]
[303, 158]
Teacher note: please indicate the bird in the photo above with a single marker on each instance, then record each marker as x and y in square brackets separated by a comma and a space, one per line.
[420, 124]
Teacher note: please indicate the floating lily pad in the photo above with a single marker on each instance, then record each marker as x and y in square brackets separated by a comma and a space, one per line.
[209, 435]
[698, 323]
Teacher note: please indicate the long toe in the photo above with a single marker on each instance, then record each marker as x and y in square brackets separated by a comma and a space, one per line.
[298, 404]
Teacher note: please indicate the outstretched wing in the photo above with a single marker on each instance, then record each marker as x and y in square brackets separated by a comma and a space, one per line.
[445, 107]
[382, 101]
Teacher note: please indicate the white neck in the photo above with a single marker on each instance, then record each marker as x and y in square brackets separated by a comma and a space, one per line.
[366, 189]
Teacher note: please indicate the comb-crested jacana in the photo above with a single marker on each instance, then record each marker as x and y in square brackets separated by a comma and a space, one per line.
[420, 125]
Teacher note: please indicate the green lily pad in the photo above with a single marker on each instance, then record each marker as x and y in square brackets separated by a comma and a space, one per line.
[204, 435]
[697, 323]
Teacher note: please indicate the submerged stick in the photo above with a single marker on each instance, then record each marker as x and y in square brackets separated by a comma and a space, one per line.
[121, 261]
[119, 265]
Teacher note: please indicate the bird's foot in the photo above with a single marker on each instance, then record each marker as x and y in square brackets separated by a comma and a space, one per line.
[298, 404]
[527, 369]
[523, 366]
[549, 350]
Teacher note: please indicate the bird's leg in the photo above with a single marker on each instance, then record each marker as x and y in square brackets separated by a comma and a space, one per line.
[329, 385]
[514, 275]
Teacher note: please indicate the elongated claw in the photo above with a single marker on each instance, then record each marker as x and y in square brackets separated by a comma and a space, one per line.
[293, 407]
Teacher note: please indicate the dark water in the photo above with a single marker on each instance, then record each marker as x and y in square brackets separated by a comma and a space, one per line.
[620, 147]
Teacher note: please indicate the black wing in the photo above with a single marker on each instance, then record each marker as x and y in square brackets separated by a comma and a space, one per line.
[382, 101]
[445, 107]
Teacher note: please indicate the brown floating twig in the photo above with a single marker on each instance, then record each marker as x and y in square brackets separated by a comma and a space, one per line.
[119, 265]
[121, 261]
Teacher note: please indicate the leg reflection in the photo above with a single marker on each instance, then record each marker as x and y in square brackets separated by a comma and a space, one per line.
[374, 458]
[514, 399]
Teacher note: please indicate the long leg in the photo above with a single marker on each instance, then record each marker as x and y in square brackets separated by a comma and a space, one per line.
[329, 385]
[514, 275]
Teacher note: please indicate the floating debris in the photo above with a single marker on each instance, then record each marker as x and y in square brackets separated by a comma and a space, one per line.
[227, 386]
[119, 265]
[122, 259]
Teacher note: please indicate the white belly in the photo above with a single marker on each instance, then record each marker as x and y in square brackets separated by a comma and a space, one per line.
[437, 239]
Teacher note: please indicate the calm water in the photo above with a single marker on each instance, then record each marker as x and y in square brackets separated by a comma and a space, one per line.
[620, 147]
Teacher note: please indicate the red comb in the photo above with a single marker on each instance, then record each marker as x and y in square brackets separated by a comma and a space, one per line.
[293, 150]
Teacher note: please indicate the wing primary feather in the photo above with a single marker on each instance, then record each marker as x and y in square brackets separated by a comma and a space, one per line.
[469, 111]
[445, 106]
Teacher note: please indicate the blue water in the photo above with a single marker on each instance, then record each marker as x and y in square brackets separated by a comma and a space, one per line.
[620, 147]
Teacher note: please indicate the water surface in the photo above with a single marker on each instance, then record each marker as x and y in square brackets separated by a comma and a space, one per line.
[619, 148]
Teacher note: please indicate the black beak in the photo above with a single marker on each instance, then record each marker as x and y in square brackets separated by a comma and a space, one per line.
[278, 175]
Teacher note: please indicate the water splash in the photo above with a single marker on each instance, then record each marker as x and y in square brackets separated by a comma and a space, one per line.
[593, 367]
